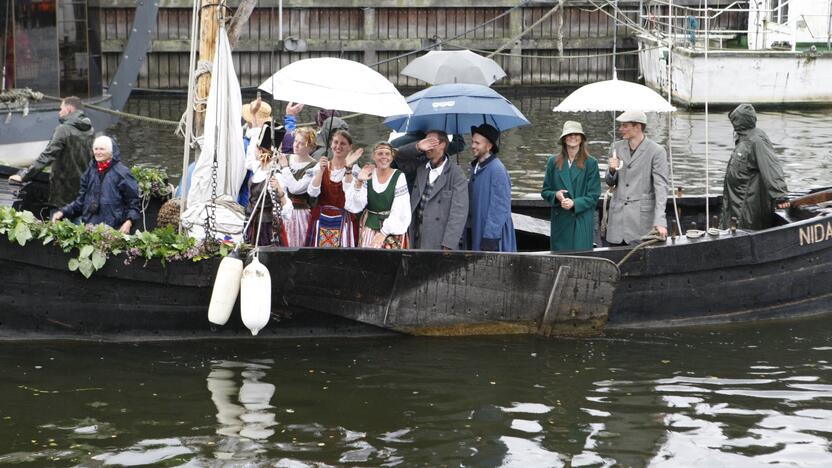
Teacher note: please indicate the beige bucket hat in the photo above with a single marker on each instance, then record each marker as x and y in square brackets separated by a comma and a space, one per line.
[570, 127]
[263, 113]
[632, 116]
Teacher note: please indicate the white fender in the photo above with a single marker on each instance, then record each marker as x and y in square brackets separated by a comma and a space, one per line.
[226, 288]
[255, 296]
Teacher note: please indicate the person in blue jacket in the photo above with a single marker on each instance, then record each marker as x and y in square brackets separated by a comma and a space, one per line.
[109, 194]
[489, 224]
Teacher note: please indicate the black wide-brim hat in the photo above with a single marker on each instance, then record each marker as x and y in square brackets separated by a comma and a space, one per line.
[264, 140]
[490, 133]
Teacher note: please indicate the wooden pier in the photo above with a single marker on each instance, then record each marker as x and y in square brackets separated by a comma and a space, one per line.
[572, 46]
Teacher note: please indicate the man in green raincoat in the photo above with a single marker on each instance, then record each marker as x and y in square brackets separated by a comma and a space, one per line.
[754, 182]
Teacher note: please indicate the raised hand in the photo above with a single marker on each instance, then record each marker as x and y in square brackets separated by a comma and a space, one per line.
[323, 162]
[427, 144]
[293, 109]
[354, 156]
[366, 173]
[614, 162]
[282, 160]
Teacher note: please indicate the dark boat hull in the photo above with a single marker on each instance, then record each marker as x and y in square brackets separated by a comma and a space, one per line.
[778, 273]
[447, 293]
[773, 274]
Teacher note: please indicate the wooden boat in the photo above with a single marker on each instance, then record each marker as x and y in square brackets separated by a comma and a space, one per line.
[784, 51]
[315, 292]
[778, 273]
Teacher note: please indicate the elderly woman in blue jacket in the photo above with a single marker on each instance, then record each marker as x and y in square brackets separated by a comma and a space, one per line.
[109, 194]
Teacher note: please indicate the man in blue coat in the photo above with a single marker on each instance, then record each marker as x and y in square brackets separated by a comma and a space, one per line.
[489, 226]
[109, 194]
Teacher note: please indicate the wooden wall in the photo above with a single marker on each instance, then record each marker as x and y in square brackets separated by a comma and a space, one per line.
[376, 31]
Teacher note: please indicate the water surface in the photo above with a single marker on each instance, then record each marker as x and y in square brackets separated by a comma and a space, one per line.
[739, 396]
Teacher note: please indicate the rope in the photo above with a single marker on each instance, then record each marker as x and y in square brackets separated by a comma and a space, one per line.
[443, 41]
[636, 248]
[128, 115]
[523, 32]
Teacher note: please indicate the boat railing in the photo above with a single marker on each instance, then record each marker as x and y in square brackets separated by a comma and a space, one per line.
[772, 24]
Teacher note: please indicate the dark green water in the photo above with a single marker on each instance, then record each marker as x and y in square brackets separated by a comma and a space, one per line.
[738, 396]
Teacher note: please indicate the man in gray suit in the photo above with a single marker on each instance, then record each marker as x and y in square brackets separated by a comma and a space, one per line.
[638, 171]
[439, 197]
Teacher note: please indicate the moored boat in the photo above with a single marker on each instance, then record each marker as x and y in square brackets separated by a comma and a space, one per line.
[777, 273]
[52, 49]
[782, 58]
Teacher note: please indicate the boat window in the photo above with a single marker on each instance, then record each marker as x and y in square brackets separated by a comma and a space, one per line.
[35, 46]
[780, 11]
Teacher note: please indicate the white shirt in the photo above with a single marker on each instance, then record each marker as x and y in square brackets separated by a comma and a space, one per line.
[434, 173]
[399, 219]
[477, 167]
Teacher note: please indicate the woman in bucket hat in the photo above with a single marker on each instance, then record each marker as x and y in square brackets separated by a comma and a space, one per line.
[572, 186]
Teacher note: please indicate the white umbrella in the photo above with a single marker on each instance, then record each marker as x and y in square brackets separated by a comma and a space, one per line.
[454, 66]
[331, 83]
[614, 95]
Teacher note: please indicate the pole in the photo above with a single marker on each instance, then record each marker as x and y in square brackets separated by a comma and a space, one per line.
[707, 136]
[189, 113]
[670, 46]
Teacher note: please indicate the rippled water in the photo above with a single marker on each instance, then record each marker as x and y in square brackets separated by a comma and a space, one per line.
[802, 139]
[742, 396]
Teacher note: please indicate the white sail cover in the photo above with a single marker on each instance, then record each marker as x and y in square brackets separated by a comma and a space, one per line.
[223, 139]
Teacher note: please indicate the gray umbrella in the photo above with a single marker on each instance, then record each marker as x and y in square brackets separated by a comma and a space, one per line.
[454, 66]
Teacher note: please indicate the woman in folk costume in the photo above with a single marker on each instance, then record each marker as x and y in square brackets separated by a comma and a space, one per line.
[572, 186]
[274, 205]
[296, 171]
[382, 193]
[330, 225]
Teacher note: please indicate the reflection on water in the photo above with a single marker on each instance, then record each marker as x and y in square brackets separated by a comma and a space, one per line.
[740, 396]
[802, 139]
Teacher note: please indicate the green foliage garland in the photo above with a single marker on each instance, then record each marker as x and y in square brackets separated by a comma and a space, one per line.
[96, 244]
[153, 181]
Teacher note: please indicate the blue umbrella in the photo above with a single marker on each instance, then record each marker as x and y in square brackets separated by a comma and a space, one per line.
[455, 108]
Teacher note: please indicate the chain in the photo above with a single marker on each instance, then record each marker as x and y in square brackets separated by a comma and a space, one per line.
[211, 221]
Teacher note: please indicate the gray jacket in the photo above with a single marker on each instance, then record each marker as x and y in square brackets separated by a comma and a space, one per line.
[446, 209]
[641, 192]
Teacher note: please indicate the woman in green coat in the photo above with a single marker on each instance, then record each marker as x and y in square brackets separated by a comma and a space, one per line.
[572, 186]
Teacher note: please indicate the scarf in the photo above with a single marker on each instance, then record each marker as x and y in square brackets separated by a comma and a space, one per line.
[103, 166]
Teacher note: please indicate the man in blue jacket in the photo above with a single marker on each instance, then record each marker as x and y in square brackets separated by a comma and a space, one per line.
[489, 224]
[109, 194]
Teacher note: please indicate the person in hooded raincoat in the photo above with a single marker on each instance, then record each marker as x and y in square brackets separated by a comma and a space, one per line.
[754, 182]
[109, 194]
[68, 152]
[572, 186]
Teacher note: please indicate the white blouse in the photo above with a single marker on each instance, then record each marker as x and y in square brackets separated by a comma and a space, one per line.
[334, 176]
[400, 213]
[296, 186]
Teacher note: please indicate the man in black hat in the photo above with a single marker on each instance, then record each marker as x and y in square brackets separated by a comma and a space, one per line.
[489, 224]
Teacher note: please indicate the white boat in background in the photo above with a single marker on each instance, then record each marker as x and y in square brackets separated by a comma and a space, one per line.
[782, 58]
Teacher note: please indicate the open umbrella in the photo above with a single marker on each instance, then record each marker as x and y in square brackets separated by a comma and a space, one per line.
[454, 66]
[332, 83]
[614, 95]
[455, 108]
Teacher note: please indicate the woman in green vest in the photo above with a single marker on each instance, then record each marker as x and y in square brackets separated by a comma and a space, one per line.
[381, 193]
[572, 186]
